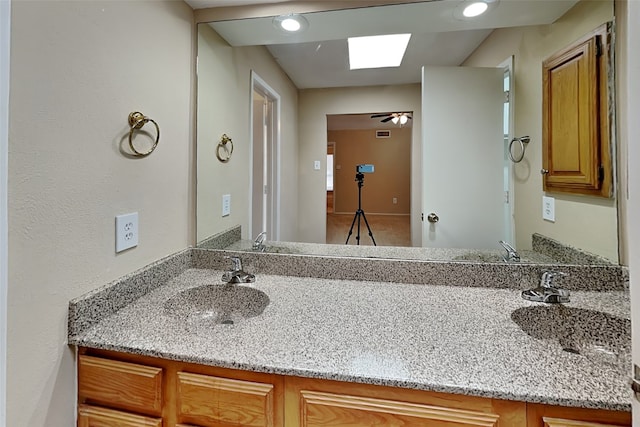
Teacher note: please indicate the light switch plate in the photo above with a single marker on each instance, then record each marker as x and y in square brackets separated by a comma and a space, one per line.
[126, 231]
[316, 165]
[226, 205]
[549, 208]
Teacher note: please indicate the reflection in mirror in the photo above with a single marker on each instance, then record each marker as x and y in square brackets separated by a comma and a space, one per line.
[310, 73]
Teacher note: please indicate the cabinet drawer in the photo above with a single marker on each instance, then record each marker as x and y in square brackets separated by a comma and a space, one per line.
[327, 409]
[209, 400]
[93, 416]
[118, 384]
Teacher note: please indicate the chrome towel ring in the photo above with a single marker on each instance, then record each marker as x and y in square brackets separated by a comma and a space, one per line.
[523, 140]
[136, 121]
[226, 144]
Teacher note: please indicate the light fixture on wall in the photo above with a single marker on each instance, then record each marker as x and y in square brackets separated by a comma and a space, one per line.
[291, 23]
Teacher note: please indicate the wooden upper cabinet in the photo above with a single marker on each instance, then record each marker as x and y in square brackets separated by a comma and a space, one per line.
[576, 123]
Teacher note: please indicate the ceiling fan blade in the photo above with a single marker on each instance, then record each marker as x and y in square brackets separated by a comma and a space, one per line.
[375, 116]
[386, 120]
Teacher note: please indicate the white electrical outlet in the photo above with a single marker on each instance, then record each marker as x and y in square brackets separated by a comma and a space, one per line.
[226, 205]
[395, 200]
[316, 165]
[126, 231]
[549, 208]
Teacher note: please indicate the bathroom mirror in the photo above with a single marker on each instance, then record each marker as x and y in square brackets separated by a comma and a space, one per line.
[277, 94]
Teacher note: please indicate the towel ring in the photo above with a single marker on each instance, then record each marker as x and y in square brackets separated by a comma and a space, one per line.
[224, 144]
[522, 140]
[137, 120]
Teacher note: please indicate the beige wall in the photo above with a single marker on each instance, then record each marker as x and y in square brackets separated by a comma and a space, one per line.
[391, 179]
[77, 70]
[586, 222]
[314, 106]
[224, 88]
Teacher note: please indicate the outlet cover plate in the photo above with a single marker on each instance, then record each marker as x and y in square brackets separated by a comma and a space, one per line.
[549, 208]
[126, 231]
[226, 205]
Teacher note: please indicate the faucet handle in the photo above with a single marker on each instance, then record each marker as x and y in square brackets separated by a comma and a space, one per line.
[548, 277]
[236, 262]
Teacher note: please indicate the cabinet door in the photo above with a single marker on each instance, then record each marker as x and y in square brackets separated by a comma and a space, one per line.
[558, 416]
[576, 156]
[558, 422]
[123, 385]
[213, 401]
[93, 416]
[314, 403]
[326, 409]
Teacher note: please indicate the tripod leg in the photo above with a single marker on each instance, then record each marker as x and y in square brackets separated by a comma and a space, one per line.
[368, 228]
[356, 216]
[358, 235]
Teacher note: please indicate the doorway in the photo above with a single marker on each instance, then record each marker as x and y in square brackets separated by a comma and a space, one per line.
[360, 139]
[265, 168]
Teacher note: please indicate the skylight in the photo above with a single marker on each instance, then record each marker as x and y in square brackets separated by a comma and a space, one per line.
[377, 51]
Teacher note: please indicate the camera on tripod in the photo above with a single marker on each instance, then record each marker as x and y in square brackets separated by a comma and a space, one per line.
[364, 168]
[360, 171]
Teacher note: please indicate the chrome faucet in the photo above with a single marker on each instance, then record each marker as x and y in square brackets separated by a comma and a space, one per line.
[512, 254]
[258, 243]
[547, 291]
[237, 275]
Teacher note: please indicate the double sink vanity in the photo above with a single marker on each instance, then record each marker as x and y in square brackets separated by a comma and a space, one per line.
[308, 340]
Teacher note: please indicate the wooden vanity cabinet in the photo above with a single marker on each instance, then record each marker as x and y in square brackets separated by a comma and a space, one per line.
[125, 390]
[576, 118]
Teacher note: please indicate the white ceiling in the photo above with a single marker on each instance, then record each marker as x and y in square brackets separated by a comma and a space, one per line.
[318, 58]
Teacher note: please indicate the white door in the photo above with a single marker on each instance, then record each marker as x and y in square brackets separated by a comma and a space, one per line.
[265, 181]
[463, 157]
[259, 194]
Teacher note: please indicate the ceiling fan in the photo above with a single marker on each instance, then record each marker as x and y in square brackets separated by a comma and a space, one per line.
[396, 118]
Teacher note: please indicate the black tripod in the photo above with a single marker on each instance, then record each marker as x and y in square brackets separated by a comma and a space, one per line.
[360, 213]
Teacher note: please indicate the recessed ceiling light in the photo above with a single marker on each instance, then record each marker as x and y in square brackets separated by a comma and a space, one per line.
[475, 9]
[471, 9]
[377, 51]
[291, 23]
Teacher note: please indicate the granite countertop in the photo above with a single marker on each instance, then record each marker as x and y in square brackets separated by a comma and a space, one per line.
[453, 339]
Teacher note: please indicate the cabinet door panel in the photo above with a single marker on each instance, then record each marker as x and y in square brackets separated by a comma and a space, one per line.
[558, 422]
[127, 386]
[93, 416]
[571, 110]
[557, 416]
[325, 409]
[209, 400]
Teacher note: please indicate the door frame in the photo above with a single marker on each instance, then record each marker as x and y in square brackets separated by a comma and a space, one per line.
[507, 65]
[5, 46]
[273, 162]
